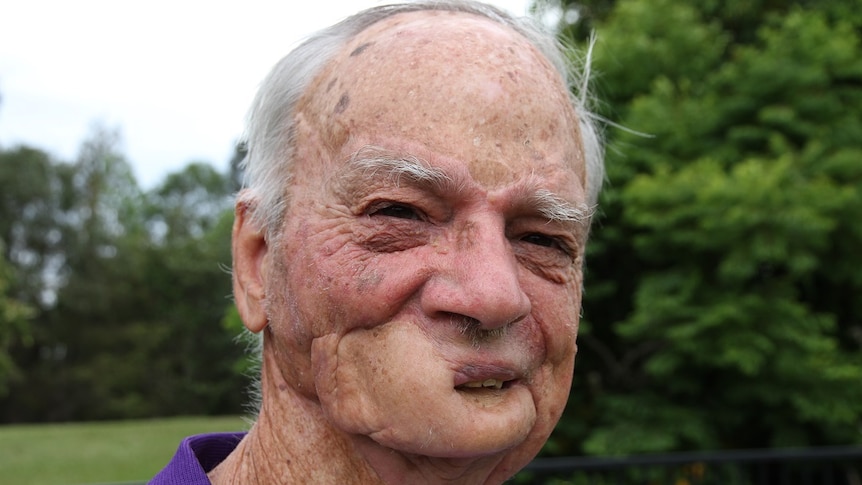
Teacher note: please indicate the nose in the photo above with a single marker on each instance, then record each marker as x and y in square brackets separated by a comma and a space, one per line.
[477, 276]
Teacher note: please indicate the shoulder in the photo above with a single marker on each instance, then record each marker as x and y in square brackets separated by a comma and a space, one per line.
[196, 456]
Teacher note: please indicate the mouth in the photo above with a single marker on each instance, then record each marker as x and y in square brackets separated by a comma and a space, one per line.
[483, 377]
[485, 384]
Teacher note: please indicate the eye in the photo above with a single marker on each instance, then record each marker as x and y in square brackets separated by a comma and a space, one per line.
[396, 210]
[542, 240]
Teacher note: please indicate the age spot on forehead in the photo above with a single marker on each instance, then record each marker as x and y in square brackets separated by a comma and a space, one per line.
[459, 86]
[331, 83]
[342, 104]
[359, 50]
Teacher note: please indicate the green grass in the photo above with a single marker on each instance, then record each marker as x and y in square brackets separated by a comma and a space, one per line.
[102, 452]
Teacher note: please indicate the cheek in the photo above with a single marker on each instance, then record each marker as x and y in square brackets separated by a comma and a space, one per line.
[334, 285]
[557, 312]
[556, 308]
[362, 375]
[361, 288]
[361, 291]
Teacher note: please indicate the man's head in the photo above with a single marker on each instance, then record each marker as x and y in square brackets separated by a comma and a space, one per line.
[412, 236]
[270, 125]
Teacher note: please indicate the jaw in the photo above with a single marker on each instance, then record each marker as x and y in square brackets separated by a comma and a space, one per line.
[392, 384]
[464, 436]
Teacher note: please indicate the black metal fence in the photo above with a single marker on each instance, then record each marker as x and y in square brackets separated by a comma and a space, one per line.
[812, 466]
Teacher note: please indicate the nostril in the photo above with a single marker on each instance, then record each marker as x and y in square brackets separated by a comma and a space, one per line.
[516, 320]
[471, 306]
[465, 324]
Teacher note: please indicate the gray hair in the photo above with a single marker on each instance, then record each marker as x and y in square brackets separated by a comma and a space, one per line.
[270, 127]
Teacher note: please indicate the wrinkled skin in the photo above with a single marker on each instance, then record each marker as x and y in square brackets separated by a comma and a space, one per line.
[385, 301]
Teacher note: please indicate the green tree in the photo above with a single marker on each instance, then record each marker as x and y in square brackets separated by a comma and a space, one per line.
[14, 327]
[33, 202]
[130, 287]
[140, 313]
[191, 216]
[721, 273]
[33, 197]
[88, 320]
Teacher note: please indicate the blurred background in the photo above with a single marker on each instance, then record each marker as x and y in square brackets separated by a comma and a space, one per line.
[722, 307]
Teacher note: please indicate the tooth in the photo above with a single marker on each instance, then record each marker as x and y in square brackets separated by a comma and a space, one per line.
[487, 383]
[491, 383]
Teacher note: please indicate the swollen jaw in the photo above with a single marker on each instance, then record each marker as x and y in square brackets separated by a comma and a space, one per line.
[366, 384]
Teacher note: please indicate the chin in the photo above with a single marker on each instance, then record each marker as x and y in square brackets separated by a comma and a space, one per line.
[461, 425]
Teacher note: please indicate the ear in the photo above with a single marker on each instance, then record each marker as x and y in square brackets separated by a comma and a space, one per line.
[249, 248]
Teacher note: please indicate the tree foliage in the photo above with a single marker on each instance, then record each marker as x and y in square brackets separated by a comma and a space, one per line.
[14, 327]
[722, 273]
[127, 288]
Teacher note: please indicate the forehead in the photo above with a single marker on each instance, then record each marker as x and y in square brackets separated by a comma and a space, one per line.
[450, 84]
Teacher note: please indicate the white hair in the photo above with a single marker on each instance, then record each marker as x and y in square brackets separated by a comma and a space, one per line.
[270, 127]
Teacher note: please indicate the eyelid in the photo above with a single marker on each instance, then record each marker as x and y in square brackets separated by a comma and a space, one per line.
[382, 204]
[430, 206]
[567, 240]
[561, 243]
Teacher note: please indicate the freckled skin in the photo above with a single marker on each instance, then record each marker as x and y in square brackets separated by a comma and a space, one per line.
[364, 311]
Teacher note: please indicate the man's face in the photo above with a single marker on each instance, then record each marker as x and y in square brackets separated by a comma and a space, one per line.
[426, 284]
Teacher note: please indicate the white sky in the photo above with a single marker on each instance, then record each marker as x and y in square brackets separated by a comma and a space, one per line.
[176, 76]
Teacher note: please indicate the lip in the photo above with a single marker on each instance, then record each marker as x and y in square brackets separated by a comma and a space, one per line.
[483, 372]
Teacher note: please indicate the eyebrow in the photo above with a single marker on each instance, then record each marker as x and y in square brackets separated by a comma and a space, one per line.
[557, 209]
[371, 162]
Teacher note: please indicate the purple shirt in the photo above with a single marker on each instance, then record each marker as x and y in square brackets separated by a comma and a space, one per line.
[196, 456]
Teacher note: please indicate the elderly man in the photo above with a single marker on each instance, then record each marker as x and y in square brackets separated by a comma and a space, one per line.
[409, 244]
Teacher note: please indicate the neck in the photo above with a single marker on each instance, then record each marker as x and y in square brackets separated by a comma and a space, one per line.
[293, 442]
